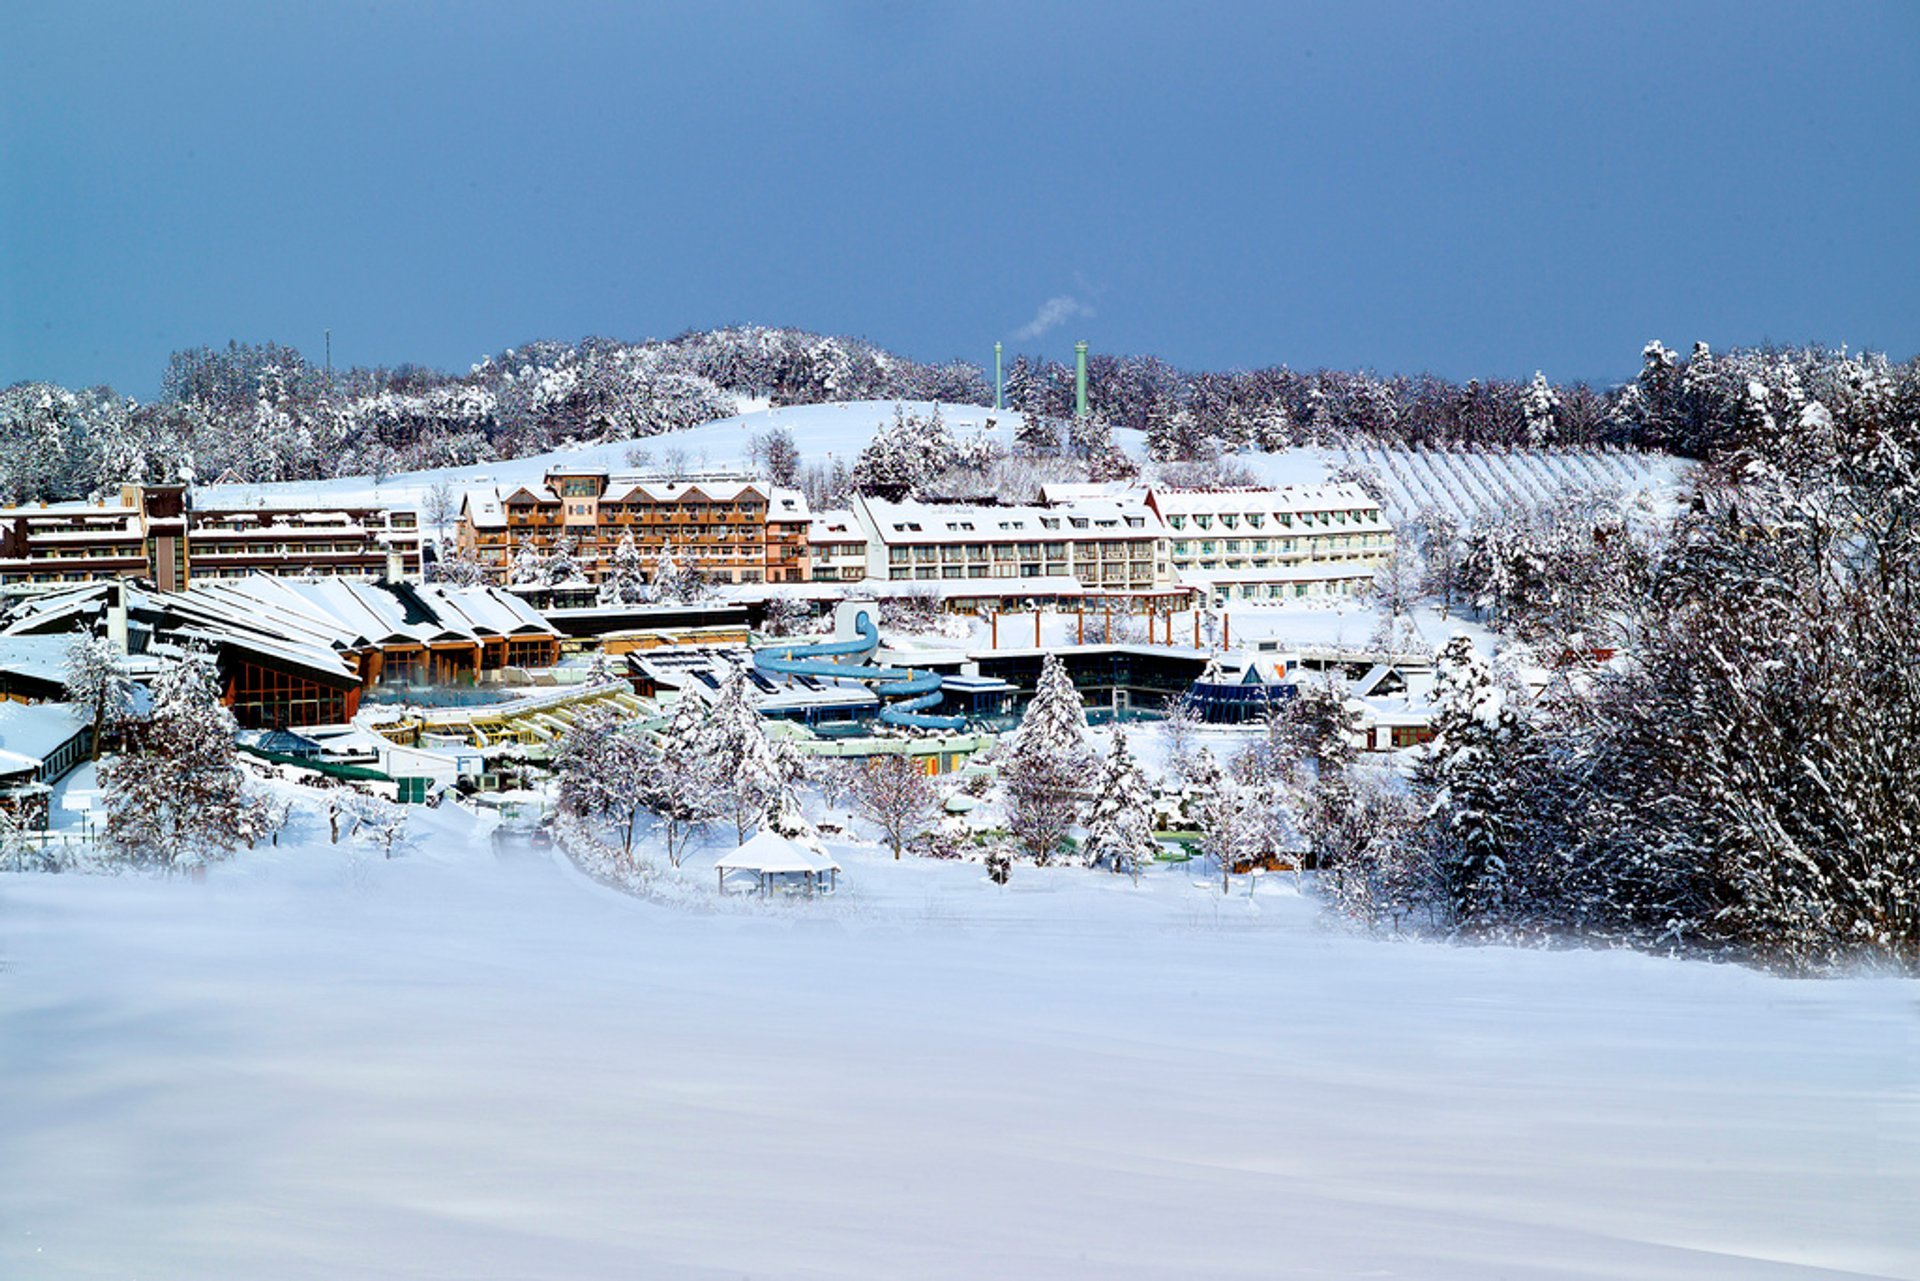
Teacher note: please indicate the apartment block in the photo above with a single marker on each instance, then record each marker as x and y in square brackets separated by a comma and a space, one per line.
[1102, 543]
[157, 533]
[732, 528]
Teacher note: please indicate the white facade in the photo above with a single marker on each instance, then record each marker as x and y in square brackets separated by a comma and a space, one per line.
[1247, 536]
[836, 548]
[1108, 544]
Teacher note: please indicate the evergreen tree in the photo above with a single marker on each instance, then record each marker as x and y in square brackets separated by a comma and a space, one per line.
[1542, 410]
[749, 770]
[177, 797]
[1465, 774]
[563, 566]
[669, 580]
[1048, 765]
[529, 564]
[1119, 821]
[626, 579]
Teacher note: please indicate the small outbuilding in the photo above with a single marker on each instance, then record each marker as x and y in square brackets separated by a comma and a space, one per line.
[774, 859]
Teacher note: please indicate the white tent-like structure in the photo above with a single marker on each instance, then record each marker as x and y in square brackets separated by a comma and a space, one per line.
[769, 855]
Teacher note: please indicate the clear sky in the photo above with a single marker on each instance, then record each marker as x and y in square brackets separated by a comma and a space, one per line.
[1469, 189]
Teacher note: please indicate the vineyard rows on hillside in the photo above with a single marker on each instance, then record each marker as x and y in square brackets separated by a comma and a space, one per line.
[1473, 485]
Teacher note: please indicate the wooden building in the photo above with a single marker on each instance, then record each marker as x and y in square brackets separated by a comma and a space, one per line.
[730, 528]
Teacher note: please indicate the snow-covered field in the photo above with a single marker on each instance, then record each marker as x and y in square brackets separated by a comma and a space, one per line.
[839, 430]
[471, 1064]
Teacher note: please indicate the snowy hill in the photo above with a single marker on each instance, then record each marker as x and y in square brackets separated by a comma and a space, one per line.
[822, 431]
[459, 1064]
[1471, 484]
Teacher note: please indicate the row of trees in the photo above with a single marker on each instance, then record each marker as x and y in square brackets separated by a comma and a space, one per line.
[707, 763]
[264, 412]
[1739, 782]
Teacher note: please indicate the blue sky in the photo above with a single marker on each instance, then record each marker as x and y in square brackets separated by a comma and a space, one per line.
[1468, 189]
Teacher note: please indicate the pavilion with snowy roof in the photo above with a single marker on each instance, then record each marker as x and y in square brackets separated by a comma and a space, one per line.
[773, 858]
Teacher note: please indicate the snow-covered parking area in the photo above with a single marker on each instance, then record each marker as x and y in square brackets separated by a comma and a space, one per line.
[460, 1065]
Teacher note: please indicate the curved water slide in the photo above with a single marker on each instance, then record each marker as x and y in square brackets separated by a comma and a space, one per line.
[914, 691]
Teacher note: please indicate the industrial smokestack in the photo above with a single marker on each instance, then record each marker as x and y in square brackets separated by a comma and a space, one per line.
[1080, 380]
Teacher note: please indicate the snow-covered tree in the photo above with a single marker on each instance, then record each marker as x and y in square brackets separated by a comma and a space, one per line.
[563, 564]
[1230, 830]
[607, 770]
[894, 794]
[529, 564]
[626, 578]
[375, 821]
[750, 771]
[177, 797]
[1119, 820]
[1542, 410]
[98, 685]
[1465, 771]
[1046, 771]
[673, 582]
[1181, 731]
[773, 451]
[441, 505]
[685, 791]
[456, 569]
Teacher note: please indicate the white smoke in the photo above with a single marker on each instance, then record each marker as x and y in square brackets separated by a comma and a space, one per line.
[1053, 313]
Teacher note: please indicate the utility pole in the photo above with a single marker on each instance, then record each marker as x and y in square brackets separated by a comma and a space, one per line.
[997, 383]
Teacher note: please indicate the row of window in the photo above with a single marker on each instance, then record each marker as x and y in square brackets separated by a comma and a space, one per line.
[1207, 547]
[1258, 520]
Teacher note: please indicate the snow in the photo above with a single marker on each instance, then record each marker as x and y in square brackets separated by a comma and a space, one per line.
[467, 1064]
[825, 431]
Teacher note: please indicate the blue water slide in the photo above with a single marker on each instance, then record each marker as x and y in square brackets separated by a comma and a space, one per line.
[914, 691]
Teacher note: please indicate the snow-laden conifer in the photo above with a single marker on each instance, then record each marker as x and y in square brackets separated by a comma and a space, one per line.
[1119, 820]
[177, 797]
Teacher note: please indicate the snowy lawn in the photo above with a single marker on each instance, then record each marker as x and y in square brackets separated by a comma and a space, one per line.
[463, 1064]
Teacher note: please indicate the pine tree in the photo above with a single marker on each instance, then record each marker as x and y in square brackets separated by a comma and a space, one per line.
[1542, 409]
[563, 566]
[177, 796]
[748, 769]
[1048, 765]
[669, 580]
[1119, 822]
[626, 579]
[529, 564]
[98, 685]
[1464, 773]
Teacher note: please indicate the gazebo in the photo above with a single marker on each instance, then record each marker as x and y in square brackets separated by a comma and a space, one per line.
[769, 855]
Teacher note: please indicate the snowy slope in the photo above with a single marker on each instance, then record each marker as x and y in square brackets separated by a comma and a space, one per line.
[821, 431]
[459, 1065]
[1470, 484]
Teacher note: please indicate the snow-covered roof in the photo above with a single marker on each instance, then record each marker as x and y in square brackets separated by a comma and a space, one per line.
[1334, 496]
[310, 621]
[1057, 492]
[34, 731]
[41, 658]
[911, 522]
[768, 852]
[835, 527]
